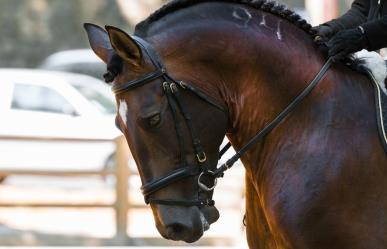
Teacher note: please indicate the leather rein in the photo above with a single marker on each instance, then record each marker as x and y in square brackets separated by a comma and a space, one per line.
[172, 90]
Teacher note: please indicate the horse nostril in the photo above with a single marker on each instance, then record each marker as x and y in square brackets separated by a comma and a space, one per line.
[176, 231]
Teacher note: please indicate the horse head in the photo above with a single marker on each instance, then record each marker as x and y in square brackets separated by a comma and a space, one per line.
[173, 130]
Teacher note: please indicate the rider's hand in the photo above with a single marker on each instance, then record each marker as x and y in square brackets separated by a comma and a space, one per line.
[322, 33]
[347, 42]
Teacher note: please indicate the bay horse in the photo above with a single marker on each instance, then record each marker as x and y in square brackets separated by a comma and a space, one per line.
[197, 70]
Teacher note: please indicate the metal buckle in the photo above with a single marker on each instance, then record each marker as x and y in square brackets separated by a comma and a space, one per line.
[165, 86]
[201, 157]
[182, 84]
[204, 186]
[173, 87]
[207, 202]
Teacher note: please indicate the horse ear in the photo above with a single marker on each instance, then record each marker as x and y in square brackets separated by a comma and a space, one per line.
[99, 41]
[124, 45]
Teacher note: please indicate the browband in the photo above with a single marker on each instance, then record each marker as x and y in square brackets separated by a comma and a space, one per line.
[121, 88]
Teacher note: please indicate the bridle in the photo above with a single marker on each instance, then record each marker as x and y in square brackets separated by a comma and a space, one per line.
[172, 90]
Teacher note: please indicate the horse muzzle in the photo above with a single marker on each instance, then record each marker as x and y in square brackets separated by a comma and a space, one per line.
[184, 223]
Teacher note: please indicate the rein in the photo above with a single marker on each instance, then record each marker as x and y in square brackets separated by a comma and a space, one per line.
[269, 127]
[172, 89]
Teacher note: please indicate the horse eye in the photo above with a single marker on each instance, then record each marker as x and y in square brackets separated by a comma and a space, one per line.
[154, 120]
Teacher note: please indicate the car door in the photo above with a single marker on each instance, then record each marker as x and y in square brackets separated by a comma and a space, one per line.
[43, 129]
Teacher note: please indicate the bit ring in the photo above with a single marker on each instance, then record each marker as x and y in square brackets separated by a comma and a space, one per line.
[204, 186]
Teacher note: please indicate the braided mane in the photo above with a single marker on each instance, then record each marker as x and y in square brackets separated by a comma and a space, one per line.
[268, 6]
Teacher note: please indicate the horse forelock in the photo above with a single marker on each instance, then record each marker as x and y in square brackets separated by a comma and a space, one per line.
[271, 7]
[114, 67]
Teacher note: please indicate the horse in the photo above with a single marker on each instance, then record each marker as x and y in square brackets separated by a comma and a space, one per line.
[196, 71]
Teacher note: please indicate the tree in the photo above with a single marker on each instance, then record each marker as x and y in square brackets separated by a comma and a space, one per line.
[33, 29]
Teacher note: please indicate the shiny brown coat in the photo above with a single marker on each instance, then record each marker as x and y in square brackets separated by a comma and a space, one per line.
[318, 180]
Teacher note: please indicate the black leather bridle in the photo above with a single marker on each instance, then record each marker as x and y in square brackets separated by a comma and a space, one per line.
[172, 90]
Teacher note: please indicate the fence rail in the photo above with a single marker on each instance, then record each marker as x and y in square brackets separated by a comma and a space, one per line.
[121, 204]
[7, 172]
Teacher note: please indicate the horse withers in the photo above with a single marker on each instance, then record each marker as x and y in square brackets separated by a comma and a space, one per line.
[198, 70]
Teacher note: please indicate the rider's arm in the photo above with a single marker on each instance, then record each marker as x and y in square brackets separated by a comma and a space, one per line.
[376, 33]
[356, 16]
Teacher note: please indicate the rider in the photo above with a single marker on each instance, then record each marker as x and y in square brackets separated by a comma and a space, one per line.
[364, 26]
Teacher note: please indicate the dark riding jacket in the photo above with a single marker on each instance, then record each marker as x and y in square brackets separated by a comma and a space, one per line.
[371, 15]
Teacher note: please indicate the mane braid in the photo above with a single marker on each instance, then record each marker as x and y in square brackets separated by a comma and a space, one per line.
[268, 6]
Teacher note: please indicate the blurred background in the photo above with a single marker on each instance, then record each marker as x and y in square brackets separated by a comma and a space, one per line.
[50, 26]
[66, 175]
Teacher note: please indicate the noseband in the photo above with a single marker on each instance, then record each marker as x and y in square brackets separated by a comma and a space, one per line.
[172, 90]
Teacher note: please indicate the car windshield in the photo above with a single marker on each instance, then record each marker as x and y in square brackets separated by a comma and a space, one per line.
[97, 98]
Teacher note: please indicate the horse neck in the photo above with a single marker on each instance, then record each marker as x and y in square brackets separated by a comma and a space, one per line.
[275, 63]
[267, 70]
[342, 101]
[256, 69]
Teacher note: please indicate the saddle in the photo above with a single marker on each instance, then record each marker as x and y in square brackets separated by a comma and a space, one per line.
[383, 112]
[372, 64]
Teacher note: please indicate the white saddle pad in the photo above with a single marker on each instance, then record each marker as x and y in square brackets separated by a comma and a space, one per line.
[377, 71]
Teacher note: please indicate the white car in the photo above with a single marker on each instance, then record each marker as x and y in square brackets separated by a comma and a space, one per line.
[55, 121]
[82, 61]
